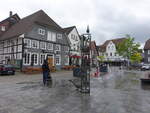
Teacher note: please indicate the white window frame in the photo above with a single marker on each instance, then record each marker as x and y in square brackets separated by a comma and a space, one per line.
[58, 46]
[41, 31]
[44, 44]
[41, 62]
[59, 60]
[28, 42]
[148, 51]
[3, 28]
[29, 59]
[51, 36]
[37, 58]
[36, 42]
[67, 59]
[59, 36]
[148, 59]
[48, 46]
[54, 36]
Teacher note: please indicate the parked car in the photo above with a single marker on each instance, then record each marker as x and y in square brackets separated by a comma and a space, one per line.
[7, 69]
[136, 66]
[145, 67]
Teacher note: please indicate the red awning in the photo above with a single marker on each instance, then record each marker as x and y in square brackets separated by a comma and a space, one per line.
[74, 56]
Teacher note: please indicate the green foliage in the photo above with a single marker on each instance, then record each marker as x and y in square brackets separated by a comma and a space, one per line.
[136, 58]
[101, 58]
[128, 47]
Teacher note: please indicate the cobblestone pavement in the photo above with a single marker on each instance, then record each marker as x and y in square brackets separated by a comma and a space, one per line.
[115, 92]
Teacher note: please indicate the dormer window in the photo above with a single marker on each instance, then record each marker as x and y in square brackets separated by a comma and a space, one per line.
[41, 31]
[3, 28]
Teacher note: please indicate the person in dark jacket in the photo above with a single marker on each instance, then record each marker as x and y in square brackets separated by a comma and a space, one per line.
[46, 71]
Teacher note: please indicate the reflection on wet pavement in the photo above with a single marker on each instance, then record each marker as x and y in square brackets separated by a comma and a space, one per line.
[115, 92]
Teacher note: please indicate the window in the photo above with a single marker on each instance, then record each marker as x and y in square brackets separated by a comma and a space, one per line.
[57, 47]
[71, 36]
[42, 58]
[57, 59]
[34, 58]
[110, 54]
[8, 43]
[76, 38]
[59, 36]
[148, 51]
[26, 60]
[41, 31]
[66, 48]
[19, 48]
[27, 43]
[49, 46]
[3, 28]
[66, 60]
[51, 36]
[42, 45]
[35, 44]
[148, 59]
[106, 54]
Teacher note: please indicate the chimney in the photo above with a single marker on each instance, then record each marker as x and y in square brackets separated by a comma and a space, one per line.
[10, 13]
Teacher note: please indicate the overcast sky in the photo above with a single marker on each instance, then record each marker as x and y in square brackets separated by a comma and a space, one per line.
[107, 19]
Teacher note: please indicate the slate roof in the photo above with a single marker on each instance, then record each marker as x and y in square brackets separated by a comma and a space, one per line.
[102, 48]
[26, 24]
[67, 30]
[147, 44]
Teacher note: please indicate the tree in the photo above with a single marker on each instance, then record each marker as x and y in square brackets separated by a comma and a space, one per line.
[101, 58]
[136, 58]
[128, 48]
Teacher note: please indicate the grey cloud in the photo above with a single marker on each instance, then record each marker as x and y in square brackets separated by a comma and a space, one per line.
[107, 19]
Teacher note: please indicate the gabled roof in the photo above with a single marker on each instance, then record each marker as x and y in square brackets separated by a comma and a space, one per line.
[147, 44]
[93, 45]
[102, 48]
[26, 24]
[67, 30]
[9, 18]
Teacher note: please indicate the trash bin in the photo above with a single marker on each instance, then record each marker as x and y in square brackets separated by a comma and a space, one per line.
[76, 72]
[103, 68]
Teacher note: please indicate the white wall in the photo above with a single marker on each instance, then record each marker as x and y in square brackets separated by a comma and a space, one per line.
[111, 49]
[75, 41]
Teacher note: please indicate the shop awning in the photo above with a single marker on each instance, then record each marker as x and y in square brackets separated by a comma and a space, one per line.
[74, 56]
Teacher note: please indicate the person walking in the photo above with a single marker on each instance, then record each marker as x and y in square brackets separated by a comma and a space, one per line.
[46, 71]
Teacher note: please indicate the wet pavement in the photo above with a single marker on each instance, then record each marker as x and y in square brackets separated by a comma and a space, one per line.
[115, 92]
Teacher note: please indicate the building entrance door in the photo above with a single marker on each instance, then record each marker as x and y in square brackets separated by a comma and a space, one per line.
[50, 60]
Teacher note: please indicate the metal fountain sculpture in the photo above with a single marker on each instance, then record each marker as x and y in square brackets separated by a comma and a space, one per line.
[85, 61]
[83, 85]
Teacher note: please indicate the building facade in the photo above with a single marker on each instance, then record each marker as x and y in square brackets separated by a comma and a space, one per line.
[147, 51]
[74, 41]
[94, 53]
[108, 50]
[35, 38]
